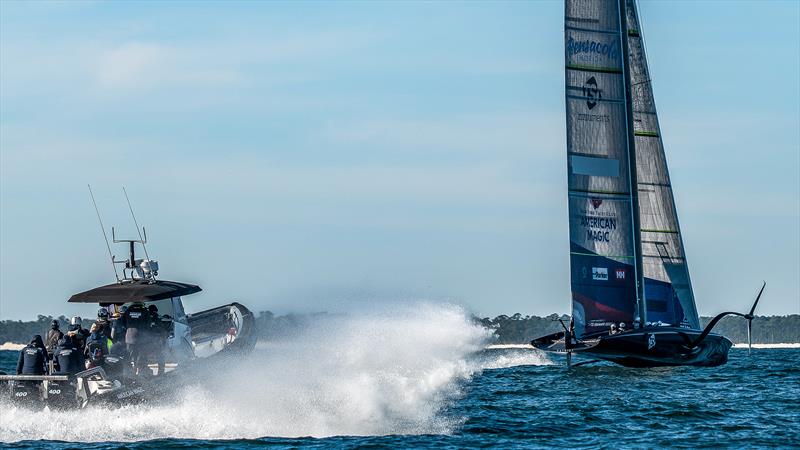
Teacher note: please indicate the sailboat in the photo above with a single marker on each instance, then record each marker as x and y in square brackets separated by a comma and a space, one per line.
[632, 299]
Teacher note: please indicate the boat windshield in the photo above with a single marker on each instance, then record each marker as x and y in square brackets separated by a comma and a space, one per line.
[171, 307]
[164, 306]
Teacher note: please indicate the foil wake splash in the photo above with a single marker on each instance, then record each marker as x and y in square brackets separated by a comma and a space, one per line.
[393, 370]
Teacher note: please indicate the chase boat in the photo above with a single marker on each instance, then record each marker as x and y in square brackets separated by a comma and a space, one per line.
[206, 338]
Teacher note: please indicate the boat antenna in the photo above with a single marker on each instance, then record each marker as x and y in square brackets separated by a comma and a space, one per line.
[138, 230]
[103, 229]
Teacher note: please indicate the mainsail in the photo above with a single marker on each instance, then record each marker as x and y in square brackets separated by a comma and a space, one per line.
[602, 209]
[667, 286]
[626, 255]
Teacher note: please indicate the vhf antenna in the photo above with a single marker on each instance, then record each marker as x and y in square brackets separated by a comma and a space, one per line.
[103, 229]
[142, 239]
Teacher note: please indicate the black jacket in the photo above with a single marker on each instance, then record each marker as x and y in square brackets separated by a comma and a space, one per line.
[78, 335]
[104, 326]
[137, 324]
[33, 358]
[117, 330]
[69, 359]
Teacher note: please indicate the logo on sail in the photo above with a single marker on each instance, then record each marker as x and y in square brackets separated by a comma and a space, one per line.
[598, 229]
[591, 92]
[592, 48]
[620, 273]
[600, 273]
[596, 202]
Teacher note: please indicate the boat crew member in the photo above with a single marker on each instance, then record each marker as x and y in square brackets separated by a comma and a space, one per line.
[33, 358]
[96, 347]
[69, 360]
[137, 326]
[104, 326]
[53, 336]
[77, 332]
[118, 325]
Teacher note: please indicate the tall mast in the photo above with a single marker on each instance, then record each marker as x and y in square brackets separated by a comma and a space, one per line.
[634, 187]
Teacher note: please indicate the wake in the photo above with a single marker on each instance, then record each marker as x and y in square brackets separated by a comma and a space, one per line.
[391, 371]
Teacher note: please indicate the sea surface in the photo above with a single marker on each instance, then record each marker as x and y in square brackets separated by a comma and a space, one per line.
[423, 377]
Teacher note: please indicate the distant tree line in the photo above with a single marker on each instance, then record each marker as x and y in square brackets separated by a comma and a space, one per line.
[21, 332]
[766, 329]
[519, 329]
[516, 329]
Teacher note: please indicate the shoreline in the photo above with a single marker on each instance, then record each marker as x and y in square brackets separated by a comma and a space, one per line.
[12, 346]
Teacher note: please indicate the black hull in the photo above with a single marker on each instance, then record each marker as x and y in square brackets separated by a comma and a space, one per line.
[650, 347]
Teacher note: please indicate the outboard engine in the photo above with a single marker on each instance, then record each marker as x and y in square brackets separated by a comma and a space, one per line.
[61, 394]
[26, 393]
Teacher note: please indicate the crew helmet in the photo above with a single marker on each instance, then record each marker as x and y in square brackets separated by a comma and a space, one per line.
[54, 324]
[75, 320]
[102, 313]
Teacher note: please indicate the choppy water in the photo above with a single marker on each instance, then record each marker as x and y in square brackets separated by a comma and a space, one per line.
[419, 376]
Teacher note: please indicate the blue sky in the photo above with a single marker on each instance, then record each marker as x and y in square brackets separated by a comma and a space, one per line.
[307, 156]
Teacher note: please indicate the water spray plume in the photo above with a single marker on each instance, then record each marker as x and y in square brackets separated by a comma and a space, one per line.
[393, 370]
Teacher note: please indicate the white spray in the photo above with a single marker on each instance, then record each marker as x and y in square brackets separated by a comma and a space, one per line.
[392, 371]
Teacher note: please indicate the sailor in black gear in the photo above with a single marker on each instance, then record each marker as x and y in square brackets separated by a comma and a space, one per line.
[77, 332]
[103, 323]
[69, 359]
[137, 323]
[118, 325]
[53, 336]
[33, 358]
[96, 347]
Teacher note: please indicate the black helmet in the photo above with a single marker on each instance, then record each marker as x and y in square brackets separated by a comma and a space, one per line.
[152, 308]
[102, 313]
[54, 324]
